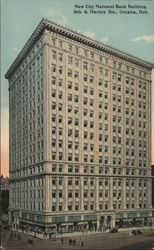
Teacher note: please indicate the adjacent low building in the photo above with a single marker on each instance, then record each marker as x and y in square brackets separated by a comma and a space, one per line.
[80, 134]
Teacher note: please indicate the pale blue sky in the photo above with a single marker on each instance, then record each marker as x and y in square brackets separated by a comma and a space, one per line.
[19, 18]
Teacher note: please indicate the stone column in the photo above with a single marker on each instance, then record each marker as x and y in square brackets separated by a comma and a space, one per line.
[82, 193]
[113, 221]
[98, 222]
[149, 191]
[97, 193]
[111, 193]
[136, 194]
[124, 194]
[65, 188]
[47, 194]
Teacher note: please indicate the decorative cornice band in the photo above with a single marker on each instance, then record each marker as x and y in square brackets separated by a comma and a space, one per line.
[46, 24]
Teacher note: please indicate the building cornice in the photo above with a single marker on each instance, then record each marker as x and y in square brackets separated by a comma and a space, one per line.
[53, 27]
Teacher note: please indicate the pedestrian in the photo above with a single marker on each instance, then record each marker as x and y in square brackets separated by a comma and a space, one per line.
[80, 242]
[70, 242]
[62, 240]
[74, 242]
[49, 236]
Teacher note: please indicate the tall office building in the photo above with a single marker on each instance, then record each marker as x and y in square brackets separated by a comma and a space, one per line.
[80, 134]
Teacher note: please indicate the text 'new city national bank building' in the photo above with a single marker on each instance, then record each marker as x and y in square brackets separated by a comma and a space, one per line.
[80, 134]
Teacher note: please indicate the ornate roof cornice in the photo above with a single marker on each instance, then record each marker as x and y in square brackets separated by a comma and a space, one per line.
[51, 26]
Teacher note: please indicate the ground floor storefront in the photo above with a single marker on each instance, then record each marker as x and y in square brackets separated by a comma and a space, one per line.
[101, 222]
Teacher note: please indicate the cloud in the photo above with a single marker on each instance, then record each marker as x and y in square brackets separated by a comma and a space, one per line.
[148, 39]
[105, 39]
[15, 50]
[87, 33]
[63, 20]
[55, 14]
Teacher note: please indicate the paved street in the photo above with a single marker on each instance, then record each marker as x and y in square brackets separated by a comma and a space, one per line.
[118, 241]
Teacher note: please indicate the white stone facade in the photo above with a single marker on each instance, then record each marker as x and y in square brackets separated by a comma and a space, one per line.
[80, 132]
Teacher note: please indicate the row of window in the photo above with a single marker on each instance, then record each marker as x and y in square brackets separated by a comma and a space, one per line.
[89, 54]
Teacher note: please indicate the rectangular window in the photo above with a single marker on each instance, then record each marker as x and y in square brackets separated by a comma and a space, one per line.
[53, 68]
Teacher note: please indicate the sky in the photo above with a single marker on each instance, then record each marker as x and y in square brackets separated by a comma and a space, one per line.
[130, 33]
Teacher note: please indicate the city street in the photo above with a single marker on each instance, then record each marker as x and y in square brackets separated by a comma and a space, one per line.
[121, 240]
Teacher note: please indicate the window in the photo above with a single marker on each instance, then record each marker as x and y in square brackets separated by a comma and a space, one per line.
[76, 157]
[60, 170]
[76, 145]
[100, 82]
[70, 47]
[91, 55]
[76, 133]
[53, 142]
[70, 60]
[91, 136]
[54, 208]
[60, 57]
[91, 91]
[77, 50]
[69, 72]
[119, 77]
[60, 131]
[85, 66]
[60, 143]
[69, 144]
[54, 55]
[69, 207]
[85, 53]
[60, 69]
[101, 70]
[91, 102]
[70, 181]
[77, 169]
[85, 89]
[53, 41]
[76, 194]
[76, 87]
[85, 100]
[69, 85]
[85, 135]
[60, 107]
[53, 130]
[53, 68]
[69, 97]
[60, 119]
[53, 93]
[85, 77]
[85, 146]
[53, 195]
[53, 118]
[60, 82]
[91, 79]
[60, 44]
[60, 155]
[53, 105]
[76, 62]
[76, 99]
[70, 168]
[53, 155]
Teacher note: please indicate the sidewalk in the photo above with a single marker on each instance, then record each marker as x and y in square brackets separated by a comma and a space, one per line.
[74, 234]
